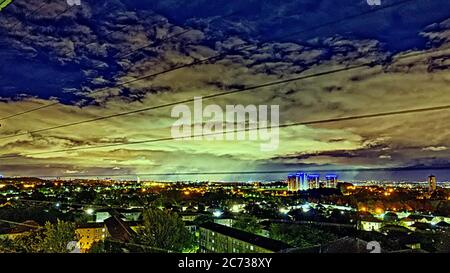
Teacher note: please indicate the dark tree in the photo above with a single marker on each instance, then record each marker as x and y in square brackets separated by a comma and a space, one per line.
[164, 230]
[248, 223]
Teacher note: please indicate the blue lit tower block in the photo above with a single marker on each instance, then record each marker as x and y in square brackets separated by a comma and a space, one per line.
[313, 181]
[332, 180]
[292, 183]
[302, 180]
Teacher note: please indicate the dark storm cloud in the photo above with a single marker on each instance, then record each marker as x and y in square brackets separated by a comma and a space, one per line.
[267, 19]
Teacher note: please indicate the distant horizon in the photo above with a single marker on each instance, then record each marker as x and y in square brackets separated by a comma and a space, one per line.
[94, 87]
[442, 176]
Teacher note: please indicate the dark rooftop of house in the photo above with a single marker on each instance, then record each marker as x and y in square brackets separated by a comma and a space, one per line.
[26, 226]
[91, 225]
[253, 239]
[342, 245]
[370, 218]
[419, 217]
[120, 210]
[119, 229]
[423, 226]
[346, 245]
[134, 223]
[189, 223]
[443, 224]
[409, 251]
[350, 245]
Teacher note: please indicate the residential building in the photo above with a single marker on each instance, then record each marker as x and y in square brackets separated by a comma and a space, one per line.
[89, 234]
[215, 238]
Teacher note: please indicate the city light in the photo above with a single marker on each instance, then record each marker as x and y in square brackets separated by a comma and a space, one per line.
[277, 205]
[306, 207]
[217, 213]
[236, 208]
[284, 210]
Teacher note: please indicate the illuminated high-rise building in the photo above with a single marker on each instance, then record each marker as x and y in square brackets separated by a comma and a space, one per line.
[432, 183]
[331, 180]
[313, 181]
[302, 180]
[292, 183]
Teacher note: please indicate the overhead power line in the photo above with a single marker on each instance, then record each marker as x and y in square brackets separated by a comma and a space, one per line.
[312, 122]
[117, 56]
[215, 95]
[31, 14]
[146, 109]
[40, 7]
[126, 54]
[220, 55]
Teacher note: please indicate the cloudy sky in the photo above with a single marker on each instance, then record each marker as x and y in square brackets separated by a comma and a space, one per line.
[89, 61]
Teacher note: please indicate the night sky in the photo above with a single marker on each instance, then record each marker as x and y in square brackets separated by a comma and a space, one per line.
[46, 58]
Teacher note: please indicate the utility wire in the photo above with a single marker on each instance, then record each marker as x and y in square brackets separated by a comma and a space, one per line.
[221, 94]
[126, 54]
[118, 56]
[105, 34]
[153, 43]
[30, 14]
[240, 90]
[220, 55]
[54, 18]
[313, 122]
[56, 103]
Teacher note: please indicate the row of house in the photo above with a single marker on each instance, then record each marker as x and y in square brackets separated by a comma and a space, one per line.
[413, 222]
[115, 228]
[121, 226]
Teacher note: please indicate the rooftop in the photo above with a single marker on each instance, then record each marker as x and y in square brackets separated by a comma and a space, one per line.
[253, 239]
[91, 225]
[119, 229]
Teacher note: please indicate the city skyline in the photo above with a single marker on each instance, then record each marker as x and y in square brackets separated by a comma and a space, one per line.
[170, 130]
